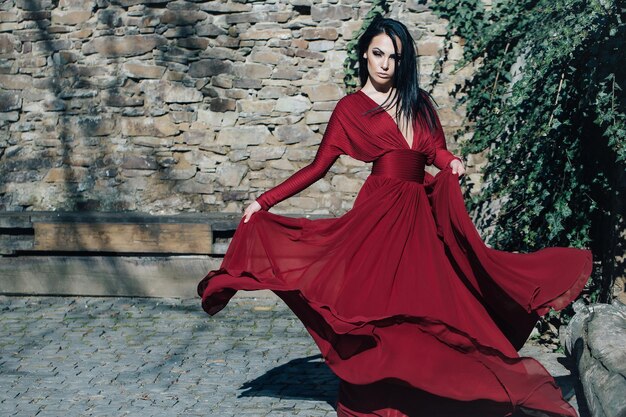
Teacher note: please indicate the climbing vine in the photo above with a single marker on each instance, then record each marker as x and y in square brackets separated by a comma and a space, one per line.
[546, 104]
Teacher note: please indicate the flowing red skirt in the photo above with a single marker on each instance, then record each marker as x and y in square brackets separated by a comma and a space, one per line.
[410, 309]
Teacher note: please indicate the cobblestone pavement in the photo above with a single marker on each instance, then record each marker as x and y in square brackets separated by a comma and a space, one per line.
[86, 356]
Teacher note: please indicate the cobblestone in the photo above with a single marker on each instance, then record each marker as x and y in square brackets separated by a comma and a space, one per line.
[82, 356]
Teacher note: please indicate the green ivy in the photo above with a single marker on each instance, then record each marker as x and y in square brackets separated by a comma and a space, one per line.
[546, 104]
[350, 65]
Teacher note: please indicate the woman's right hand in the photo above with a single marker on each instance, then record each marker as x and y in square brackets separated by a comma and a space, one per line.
[250, 210]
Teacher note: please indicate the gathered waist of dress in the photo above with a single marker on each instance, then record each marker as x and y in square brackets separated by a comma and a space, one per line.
[404, 164]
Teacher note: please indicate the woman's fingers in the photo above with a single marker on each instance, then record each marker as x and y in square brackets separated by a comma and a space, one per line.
[251, 209]
[457, 167]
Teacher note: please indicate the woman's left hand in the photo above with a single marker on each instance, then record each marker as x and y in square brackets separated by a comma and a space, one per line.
[457, 167]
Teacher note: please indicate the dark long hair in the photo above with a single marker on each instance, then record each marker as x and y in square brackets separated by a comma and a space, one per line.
[411, 100]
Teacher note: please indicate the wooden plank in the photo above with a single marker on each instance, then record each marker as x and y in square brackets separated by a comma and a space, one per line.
[123, 238]
[11, 243]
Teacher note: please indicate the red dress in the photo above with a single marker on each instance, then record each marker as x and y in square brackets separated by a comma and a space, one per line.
[410, 309]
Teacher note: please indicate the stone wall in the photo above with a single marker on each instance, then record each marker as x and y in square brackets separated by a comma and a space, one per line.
[169, 106]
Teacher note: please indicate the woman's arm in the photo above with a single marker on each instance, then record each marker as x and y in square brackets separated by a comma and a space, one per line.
[329, 150]
[443, 157]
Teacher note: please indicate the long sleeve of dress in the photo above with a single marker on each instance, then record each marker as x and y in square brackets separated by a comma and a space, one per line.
[329, 150]
[443, 156]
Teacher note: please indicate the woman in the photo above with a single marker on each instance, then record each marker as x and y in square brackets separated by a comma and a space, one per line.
[414, 314]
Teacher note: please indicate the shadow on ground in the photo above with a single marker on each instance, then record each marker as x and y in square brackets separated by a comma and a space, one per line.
[304, 378]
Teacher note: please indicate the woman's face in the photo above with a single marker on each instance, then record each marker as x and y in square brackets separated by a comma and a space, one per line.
[382, 59]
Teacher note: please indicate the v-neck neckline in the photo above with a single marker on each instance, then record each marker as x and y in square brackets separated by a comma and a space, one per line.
[406, 142]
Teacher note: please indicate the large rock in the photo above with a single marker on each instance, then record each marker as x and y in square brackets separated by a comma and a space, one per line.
[137, 70]
[595, 339]
[298, 133]
[265, 34]
[241, 136]
[229, 174]
[323, 92]
[182, 17]
[295, 104]
[70, 17]
[84, 126]
[340, 12]
[10, 100]
[15, 81]
[120, 46]
[209, 68]
[180, 94]
[320, 33]
[8, 43]
[155, 126]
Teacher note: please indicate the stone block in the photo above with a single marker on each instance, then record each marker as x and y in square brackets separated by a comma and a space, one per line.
[346, 184]
[209, 68]
[321, 46]
[217, 119]
[10, 100]
[323, 92]
[265, 34]
[122, 46]
[254, 71]
[183, 170]
[9, 16]
[266, 57]
[242, 136]
[252, 17]
[136, 70]
[295, 104]
[8, 43]
[227, 7]
[70, 17]
[193, 42]
[209, 30]
[153, 142]
[222, 104]
[595, 338]
[8, 27]
[77, 4]
[139, 162]
[287, 74]
[317, 117]
[176, 93]
[121, 100]
[48, 46]
[339, 12]
[296, 133]
[229, 174]
[256, 106]
[272, 91]
[66, 174]
[83, 126]
[162, 126]
[320, 33]
[265, 153]
[33, 5]
[182, 17]
[429, 48]
[247, 83]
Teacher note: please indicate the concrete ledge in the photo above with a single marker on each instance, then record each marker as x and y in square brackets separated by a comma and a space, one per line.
[170, 276]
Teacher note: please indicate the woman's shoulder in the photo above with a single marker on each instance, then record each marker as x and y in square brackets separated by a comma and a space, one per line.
[348, 103]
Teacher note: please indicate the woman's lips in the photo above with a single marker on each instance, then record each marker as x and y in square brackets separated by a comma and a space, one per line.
[382, 75]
